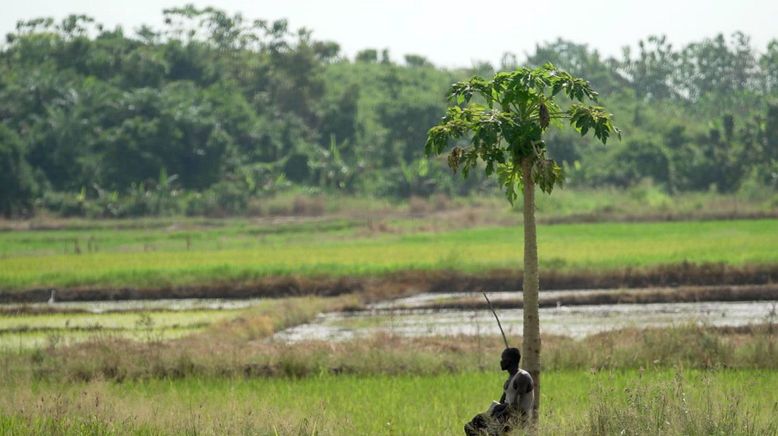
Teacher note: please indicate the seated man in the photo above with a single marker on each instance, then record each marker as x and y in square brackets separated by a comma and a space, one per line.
[515, 406]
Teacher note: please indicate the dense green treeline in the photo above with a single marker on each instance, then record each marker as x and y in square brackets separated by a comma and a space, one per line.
[212, 110]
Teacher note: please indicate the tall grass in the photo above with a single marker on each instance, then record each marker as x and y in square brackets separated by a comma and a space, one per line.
[575, 402]
[690, 404]
[240, 348]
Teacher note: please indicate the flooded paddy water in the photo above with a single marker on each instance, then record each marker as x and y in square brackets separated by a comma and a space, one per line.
[427, 314]
[61, 323]
[417, 316]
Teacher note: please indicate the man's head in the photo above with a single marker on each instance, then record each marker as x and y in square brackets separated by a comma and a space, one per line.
[510, 359]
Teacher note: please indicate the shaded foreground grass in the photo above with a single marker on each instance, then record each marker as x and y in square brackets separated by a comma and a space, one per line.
[241, 257]
[727, 402]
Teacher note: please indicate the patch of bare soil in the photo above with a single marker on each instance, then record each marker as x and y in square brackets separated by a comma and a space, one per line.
[435, 214]
[600, 217]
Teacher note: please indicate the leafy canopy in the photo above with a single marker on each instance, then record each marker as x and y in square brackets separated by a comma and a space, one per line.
[505, 123]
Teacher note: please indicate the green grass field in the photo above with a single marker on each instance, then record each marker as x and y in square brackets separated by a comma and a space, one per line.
[216, 372]
[157, 257]
[574, 402]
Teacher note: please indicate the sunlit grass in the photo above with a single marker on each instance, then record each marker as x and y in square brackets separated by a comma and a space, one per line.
[26, 340]
[112, 320]
[234, 257]
[574, 402]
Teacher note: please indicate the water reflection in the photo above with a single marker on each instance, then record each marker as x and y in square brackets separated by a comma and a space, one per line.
[573, 321]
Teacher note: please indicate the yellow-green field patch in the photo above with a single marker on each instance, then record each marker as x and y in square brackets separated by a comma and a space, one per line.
[232, 257]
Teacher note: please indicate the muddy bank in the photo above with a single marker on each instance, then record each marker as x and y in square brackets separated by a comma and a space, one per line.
[684, 294]
[684, 274]
[414, 282]
[271, 287]
[128, 306]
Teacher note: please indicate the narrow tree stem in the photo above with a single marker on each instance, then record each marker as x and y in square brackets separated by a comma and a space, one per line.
[531, 285]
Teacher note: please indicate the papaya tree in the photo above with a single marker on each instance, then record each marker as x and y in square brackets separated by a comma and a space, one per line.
[501, 123]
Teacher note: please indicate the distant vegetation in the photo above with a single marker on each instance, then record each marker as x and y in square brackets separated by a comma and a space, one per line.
[213, 111]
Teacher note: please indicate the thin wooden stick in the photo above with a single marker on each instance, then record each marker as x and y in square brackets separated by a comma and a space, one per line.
[504, 339]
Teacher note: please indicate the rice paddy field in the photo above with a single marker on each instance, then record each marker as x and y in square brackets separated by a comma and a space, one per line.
[241, 252]
[373, 363]
[29, 331]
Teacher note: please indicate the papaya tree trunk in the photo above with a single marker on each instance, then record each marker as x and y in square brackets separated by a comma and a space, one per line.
[531, 285]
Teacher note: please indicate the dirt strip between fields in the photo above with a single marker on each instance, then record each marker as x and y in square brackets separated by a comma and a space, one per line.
[413, 282]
